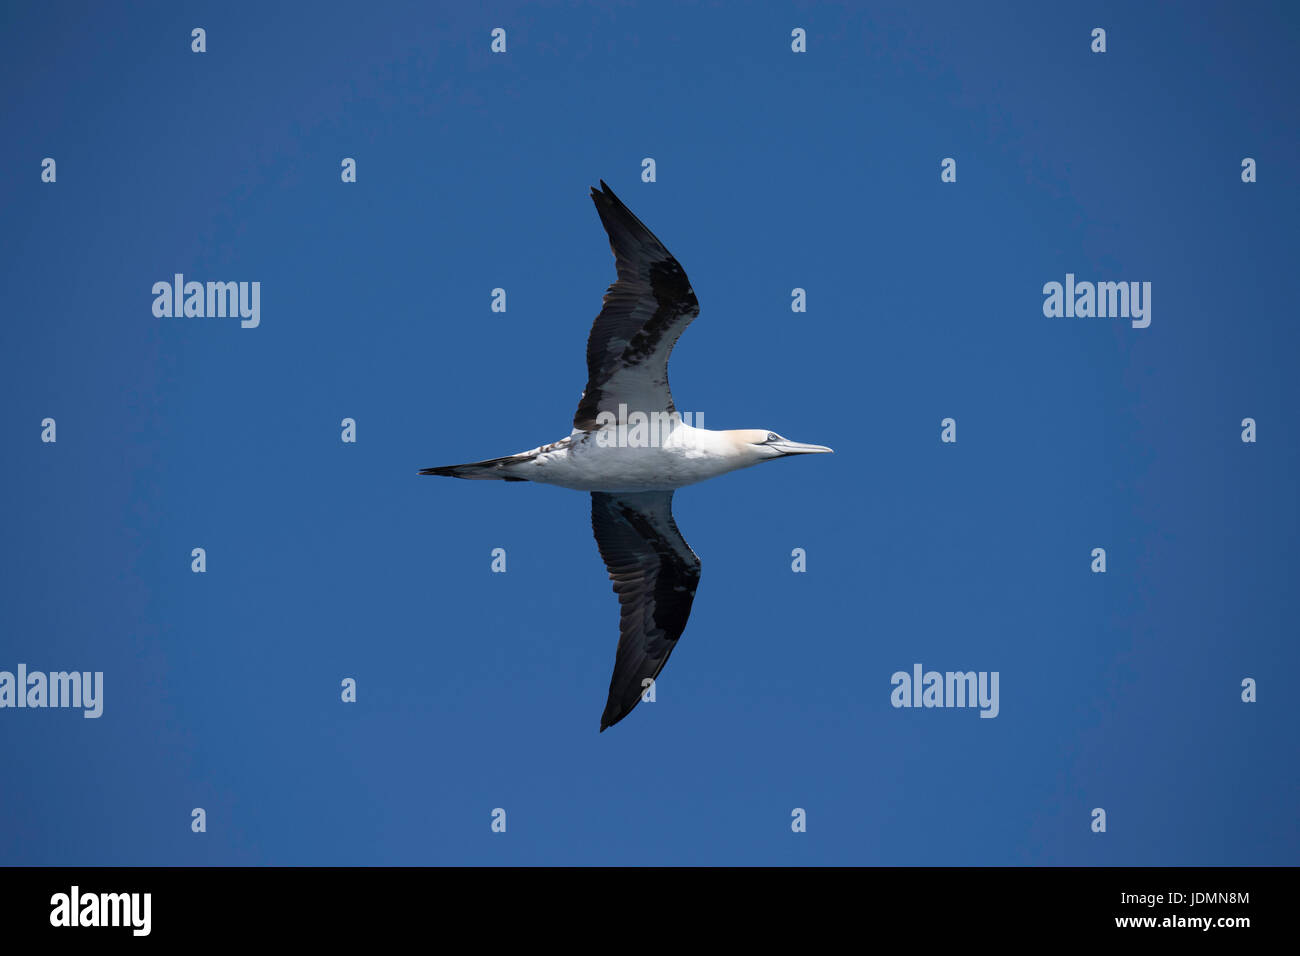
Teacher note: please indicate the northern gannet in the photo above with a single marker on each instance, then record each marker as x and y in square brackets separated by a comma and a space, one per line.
[631, 472]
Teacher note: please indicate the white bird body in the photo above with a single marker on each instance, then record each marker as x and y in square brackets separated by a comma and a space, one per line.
[632, 462]
[632, 458]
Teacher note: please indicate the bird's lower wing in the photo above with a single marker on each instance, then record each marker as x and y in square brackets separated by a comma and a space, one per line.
[655, 574]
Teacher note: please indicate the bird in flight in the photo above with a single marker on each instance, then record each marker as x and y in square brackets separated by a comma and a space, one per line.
[631, 449]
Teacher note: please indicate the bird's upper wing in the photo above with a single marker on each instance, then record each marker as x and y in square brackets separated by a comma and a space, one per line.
[645, 311]
[655, 574]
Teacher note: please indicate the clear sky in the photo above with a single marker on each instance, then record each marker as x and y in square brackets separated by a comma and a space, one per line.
[775, 170]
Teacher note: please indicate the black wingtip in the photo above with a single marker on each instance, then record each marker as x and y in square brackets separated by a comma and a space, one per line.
[607, 720]
[604, 193]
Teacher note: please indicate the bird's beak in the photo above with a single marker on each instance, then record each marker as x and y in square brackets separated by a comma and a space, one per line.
[787, 447]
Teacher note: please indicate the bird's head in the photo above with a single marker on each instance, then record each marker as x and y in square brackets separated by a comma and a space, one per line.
[760, 445]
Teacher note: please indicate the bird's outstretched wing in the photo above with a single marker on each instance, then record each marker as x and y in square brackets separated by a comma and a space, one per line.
[645, 312]
[655, 574]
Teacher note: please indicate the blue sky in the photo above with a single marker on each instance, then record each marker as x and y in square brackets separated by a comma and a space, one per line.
[775, 170]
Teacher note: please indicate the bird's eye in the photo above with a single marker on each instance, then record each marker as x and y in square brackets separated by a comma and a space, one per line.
[773, 436]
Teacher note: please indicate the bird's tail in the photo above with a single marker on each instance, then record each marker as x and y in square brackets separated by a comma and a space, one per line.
[492, 469]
